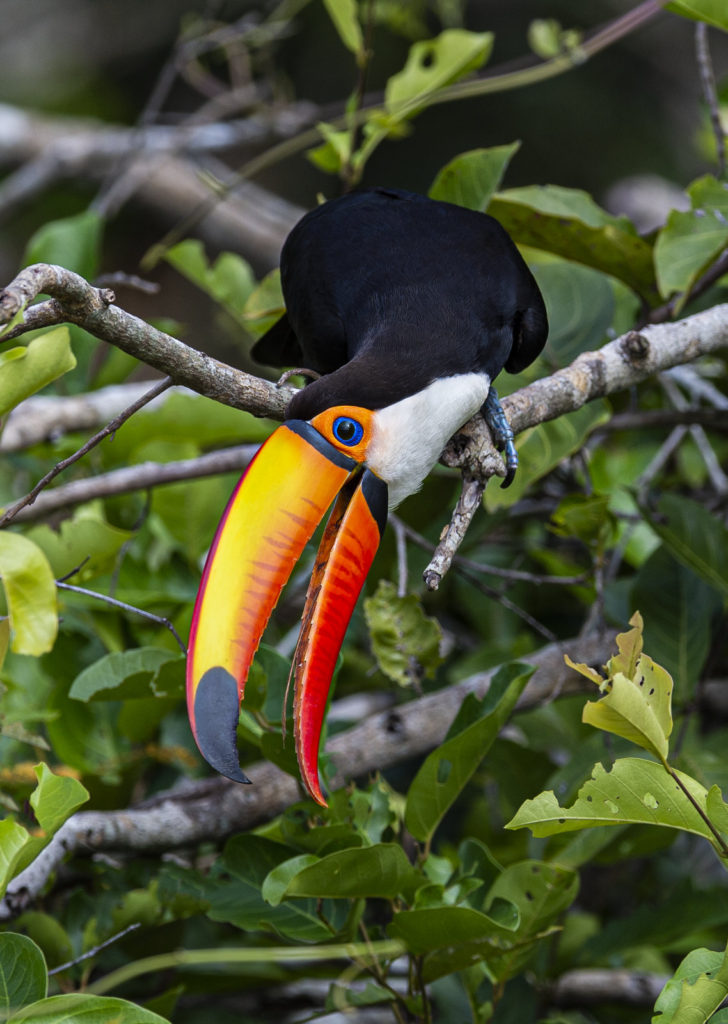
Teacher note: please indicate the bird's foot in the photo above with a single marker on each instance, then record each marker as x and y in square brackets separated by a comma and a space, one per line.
[296, 371]
[500, 428]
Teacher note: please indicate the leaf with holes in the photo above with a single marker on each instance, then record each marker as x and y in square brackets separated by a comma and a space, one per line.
[432, 64]
[446, 771]
[633, 791]
[637, 695]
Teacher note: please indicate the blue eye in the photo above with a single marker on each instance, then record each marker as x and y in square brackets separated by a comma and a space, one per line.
[347, 431]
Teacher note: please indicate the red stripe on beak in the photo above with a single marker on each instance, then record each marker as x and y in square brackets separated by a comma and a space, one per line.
[344, 558]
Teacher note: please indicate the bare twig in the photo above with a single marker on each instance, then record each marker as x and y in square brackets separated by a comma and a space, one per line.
[136, 478]
[96, 949]
[212, 809]
[97, 438]
[710, 93]
[76, 301]
[124, 607]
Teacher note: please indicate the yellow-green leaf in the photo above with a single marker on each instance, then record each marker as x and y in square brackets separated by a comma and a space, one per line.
[637, 711]
[30, 591]
[343, 13]
[433, 64]
[637, 701]
[28, 368]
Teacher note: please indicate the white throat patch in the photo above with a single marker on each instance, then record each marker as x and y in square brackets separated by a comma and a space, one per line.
[409, 436]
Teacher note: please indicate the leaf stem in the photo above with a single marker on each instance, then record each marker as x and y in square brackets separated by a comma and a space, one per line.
[719, 840]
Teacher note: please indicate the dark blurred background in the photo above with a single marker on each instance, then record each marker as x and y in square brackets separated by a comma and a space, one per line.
[634, 109]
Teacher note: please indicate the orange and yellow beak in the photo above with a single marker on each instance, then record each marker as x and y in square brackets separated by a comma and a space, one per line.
[272, 514]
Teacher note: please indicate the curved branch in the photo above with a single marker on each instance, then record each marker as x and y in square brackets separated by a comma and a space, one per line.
[75, 301]
[617, 366]
[212, 809]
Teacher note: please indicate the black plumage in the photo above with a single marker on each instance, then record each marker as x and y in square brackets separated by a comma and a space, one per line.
[387, 291]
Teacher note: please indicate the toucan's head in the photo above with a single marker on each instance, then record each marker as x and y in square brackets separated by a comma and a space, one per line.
[367, 459]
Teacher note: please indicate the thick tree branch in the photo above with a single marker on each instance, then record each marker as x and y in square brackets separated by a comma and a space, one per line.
[74, 300]
[590, 986]
[212, 809]
[619, 365]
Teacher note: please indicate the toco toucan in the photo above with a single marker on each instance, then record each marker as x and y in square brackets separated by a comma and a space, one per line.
[407, 308]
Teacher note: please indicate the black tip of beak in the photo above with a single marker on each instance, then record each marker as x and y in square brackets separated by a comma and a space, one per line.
[217, 707]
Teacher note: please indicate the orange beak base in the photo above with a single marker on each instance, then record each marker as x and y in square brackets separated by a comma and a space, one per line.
[272, 514]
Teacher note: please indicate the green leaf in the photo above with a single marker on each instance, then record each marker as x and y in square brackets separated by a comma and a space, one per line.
[471, 179]
[679, 609]
[432, 928]
[542, 449]
[48, 933]
[264, 305]
[54, 800]
[405, 641]
[30, 591]
[692, 239]
[569, 223]
[238, 899]
[580, 303]
[540, 892]
[711, 11]
[334, 152]
[446, 771]
[633, 791]
[229, 280]
[131, 674]
[80, 1008]
[586, 517]
[696, 990]
[85, 538]
[434, 63]
[694, 536]
[72, 242]
[28, 368]
[343, 13]
[380, 871]
[23, 973]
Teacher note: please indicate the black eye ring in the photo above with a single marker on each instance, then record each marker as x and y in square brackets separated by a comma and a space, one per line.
[347, 431]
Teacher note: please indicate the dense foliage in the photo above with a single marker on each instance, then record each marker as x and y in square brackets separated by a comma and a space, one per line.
[587, 831]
